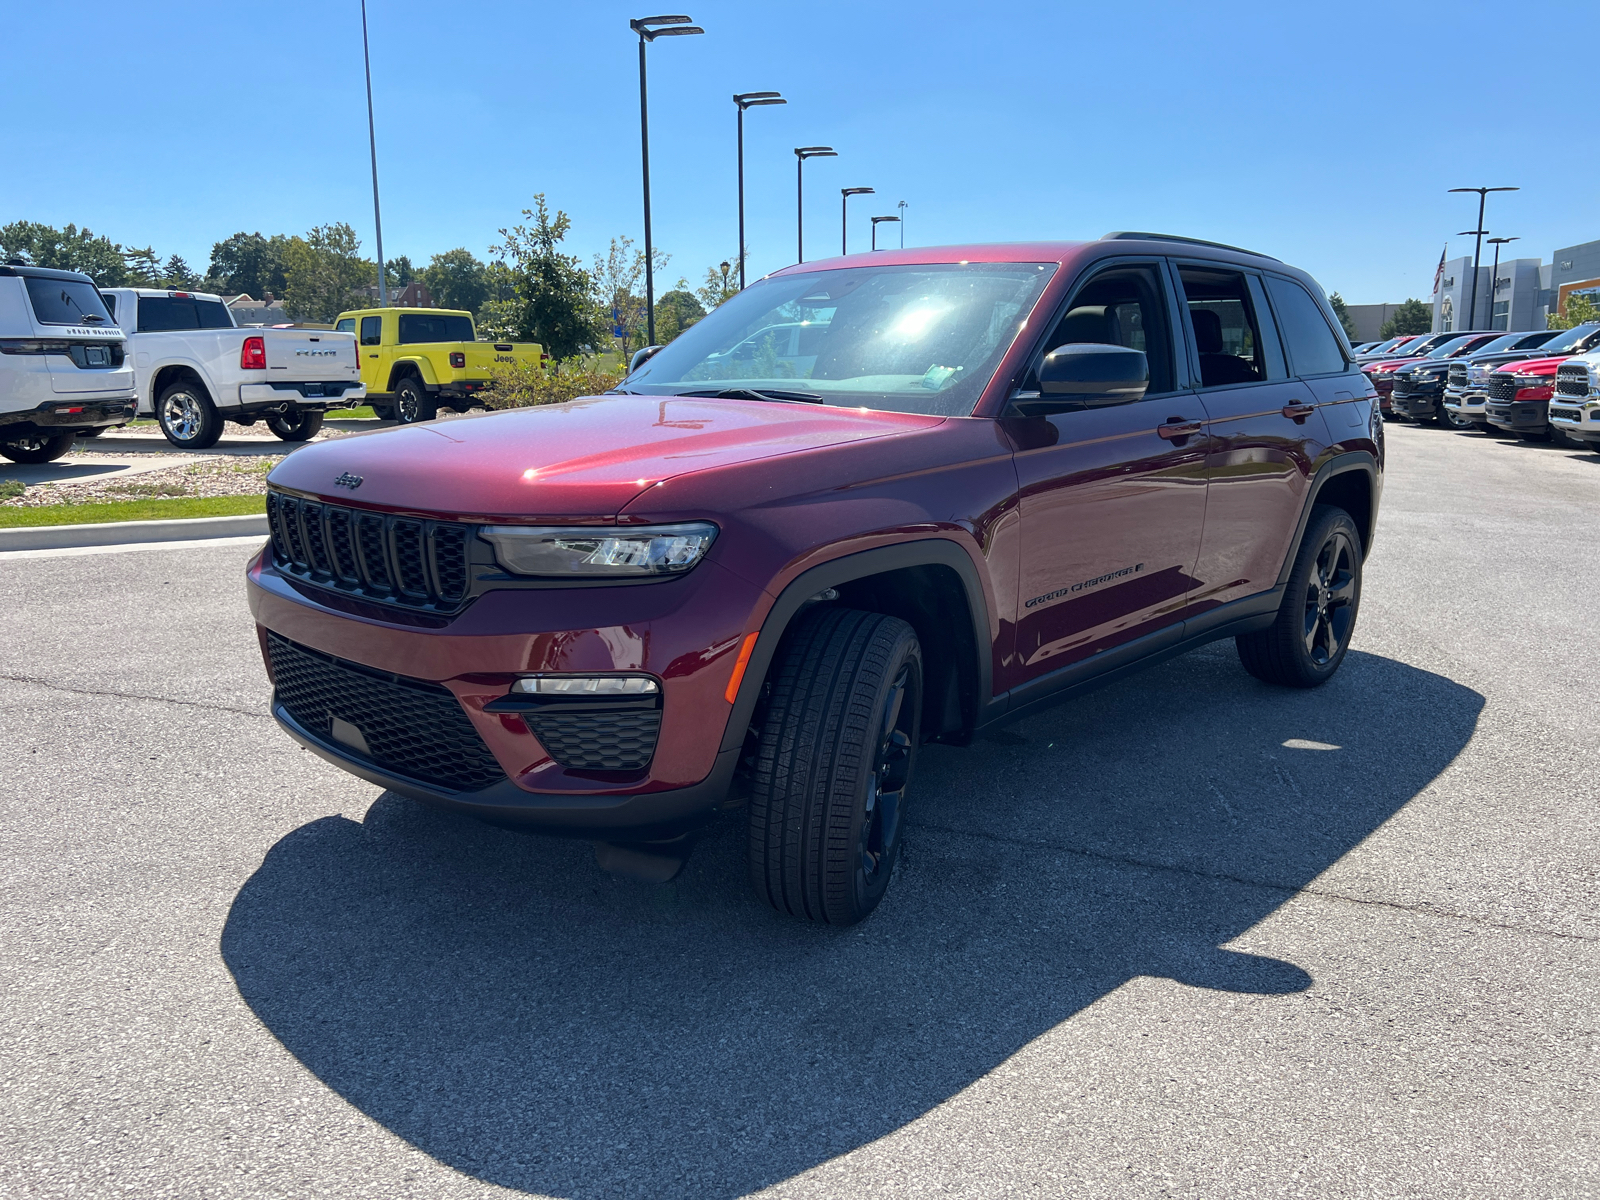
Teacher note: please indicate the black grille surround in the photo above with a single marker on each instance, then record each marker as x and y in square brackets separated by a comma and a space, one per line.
[412, 727]
[1502, 386]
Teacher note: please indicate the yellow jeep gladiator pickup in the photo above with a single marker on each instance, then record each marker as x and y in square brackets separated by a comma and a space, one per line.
[415, 361]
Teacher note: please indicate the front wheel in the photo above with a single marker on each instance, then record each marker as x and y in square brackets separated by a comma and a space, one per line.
[412, 402]
[38, 447]
[1305, 645]
[188, 418]
[297, 426]
[837, 746]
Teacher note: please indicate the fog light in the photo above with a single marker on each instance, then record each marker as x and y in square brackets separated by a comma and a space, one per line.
[587, 685]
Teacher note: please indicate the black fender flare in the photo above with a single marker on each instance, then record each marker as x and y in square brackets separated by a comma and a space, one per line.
[923, 552]
[1339, 464]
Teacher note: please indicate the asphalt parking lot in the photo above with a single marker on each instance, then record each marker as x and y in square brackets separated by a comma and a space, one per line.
[1189, 936]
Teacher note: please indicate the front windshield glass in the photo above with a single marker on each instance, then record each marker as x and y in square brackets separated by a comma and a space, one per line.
[918, 339]
[1509, 342]
[1571, 339]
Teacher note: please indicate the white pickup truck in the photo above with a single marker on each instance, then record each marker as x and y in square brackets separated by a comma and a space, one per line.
[194, 368]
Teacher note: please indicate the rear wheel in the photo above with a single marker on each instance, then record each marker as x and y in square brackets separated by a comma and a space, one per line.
[38, 447]
[837, 746]
[1307, 642]
[297, 426]
[384, 412]
[412, 403]
[187, 417]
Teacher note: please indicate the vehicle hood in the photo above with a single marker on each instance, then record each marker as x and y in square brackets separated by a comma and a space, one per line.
[1537, 366]
[584, 460]
[1389, 364]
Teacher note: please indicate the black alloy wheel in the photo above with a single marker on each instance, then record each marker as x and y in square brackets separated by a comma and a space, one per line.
[838, 744]
[301, 425]
[1306, 643]
[35, 448]
[413, 403]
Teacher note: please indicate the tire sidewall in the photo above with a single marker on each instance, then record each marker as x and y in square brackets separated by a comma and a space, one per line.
[1324, 524]
[210, 422]
[866, 896]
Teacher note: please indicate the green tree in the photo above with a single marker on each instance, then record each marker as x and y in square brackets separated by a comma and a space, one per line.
[399, 271]
[457, 280]
[619, 292]
[326, 274]
[68, 249]
[1343, 313]
[676, 311]
[1412, 316]
[175, 273]
[144, 268]
[1578, 310]
[721, 284]
[555, 305]
[500, 311]
[248, 263]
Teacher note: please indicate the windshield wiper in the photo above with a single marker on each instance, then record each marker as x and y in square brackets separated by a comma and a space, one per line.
[758, 394]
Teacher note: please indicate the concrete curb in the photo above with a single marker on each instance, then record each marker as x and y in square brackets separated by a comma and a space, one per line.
[118, 533]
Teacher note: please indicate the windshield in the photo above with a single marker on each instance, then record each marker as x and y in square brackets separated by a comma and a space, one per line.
[1571, 339]
[918, 339]
[66, 301]
[1510, 342]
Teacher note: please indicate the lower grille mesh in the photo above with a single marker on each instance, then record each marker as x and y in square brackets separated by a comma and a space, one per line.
[590, 740]
[412, 727]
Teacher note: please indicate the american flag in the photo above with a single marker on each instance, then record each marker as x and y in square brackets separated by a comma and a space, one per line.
[1439, 274]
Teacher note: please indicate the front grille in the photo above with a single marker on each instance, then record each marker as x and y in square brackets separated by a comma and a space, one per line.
[412, 727]
[1502, 386]
[395, 560]
[1572, 381]
[1458, 375]
[597, 737]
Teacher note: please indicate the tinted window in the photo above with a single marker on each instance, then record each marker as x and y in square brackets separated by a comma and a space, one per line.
[348, 325]
[1223, 325]
[371, 331]
[1125, 306]
[66, 301]
[158, 314]
[419, 327]
[1312, 347]
[214, 314]
[111, 304]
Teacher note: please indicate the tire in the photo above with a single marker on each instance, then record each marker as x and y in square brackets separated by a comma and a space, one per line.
[838, 744]
[384, 412]
[412, 403]
[298, 426]
[38, 448]
[187, 417]
[1450, 420]
[1305, 645]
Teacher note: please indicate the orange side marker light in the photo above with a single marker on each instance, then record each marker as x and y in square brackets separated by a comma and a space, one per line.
[738, 668]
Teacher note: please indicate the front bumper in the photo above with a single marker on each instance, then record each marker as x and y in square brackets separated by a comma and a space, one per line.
[1576, 418]
[67, 413]
[1466, 402]
[685, 632]
[1519, 416]
[1416, 404]
[339, 393]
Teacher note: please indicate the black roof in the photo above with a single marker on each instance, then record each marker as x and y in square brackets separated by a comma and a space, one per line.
[24, 270]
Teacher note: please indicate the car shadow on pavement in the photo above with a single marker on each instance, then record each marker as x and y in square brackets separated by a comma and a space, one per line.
[496, 1001]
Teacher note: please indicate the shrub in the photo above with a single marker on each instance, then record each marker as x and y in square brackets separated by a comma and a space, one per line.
[518, 385]
[10, 489]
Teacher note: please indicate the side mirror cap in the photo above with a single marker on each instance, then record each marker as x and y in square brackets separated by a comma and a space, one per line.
[642, 356]
[1087, 375]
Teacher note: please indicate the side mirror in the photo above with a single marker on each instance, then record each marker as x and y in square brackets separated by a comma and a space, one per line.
[1086, 375]
[642, 356]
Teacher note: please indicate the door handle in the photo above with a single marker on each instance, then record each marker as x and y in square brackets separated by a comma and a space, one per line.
[372, 356]
[1298, 412]
[1176, 429]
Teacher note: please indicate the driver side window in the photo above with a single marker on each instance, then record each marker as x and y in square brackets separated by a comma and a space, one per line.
[1122, 306]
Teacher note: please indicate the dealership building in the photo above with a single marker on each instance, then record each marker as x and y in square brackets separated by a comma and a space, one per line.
[1523, 293]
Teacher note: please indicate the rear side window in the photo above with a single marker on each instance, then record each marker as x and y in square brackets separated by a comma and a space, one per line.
[111, 304]
[371, 331]
[425, 327]
[213, 314]
[1311, 344]
[66, 301]
[1222, 321]
[348, 325]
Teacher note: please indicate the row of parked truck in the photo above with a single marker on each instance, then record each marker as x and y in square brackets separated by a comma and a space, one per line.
[76, 360]
[1542, 385]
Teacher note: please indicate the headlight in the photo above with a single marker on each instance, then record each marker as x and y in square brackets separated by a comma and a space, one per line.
[605, 552]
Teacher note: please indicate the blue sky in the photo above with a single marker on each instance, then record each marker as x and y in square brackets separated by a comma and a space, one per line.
[1326, 135]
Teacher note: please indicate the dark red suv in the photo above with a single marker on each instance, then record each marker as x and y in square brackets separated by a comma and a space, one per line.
[867, 503]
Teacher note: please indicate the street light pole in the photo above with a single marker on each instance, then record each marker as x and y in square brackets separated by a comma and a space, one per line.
[902, 224]
[372, 143]
[876, 221]
[1477, 246]
[1494, 279]
[844, 215]
[801, 153]
[645, 27]
[748, 100]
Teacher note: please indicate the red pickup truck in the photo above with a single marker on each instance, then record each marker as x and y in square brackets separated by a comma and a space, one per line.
[867, 503]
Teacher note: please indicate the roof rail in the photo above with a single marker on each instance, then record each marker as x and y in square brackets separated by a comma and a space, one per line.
[1122, 235]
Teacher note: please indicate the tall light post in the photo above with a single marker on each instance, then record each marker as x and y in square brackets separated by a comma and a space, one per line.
[1472, 306]
[844, 215]
[902, 207]
[372, 143]
[876, 221]
[648, 31]
[1494, 279]
[801, 153]
[748, 100]
[1483, 192]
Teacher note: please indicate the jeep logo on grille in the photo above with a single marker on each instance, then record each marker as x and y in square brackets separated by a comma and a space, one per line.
[348, 480]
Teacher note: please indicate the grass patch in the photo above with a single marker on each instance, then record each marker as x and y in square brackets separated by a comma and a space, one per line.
[132, 510]
[10, 488]
[351, 414]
